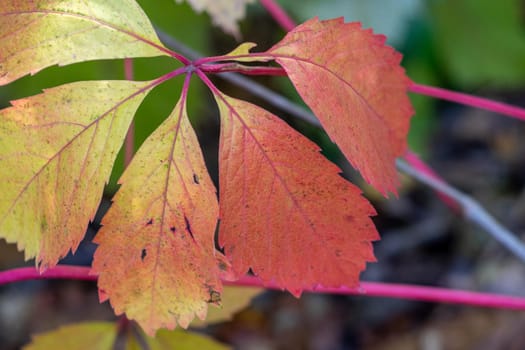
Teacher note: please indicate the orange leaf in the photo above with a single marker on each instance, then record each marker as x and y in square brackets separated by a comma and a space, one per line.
[156, 258]
[285, 211]
[355, 86]
[56, 154]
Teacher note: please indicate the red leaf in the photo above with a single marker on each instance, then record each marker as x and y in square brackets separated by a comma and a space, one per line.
[285, 211]
[355, 86]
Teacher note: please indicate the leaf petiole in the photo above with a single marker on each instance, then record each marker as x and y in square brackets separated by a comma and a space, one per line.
[241, 68]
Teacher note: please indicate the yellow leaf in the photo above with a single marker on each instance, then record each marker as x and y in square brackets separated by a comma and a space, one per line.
[233, 300]
[82, 336]
[156, 258]
[242, 49]
[242, 54]
[56, 154]
[40, 33]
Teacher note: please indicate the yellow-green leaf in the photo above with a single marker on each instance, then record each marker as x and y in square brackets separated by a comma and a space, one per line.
[40, 33]
[56, 154]
[82, 336]
[233, 300]
[242, 49]
[156, 258]
[178, 340]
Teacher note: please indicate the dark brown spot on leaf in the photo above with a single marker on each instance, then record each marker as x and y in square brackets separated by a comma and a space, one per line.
[150, 222]
[215, 297]
[188, 227]
[143, 254]
[222, 266]
[196, 179]
[172, 229]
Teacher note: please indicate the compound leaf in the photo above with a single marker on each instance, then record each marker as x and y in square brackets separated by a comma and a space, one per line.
[285, 211]
[39, 33]
[56, 154]
[156, 258]
[356, 87]
[82, 336]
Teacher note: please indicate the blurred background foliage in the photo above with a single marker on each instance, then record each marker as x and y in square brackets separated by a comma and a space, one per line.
[475, 46]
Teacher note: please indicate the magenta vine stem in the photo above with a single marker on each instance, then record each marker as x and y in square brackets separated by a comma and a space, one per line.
[278, 14]
[371, 289]
[129, 143]
[469, 100]
[410, 292]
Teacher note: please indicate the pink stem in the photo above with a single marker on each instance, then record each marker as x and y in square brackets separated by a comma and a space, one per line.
[373, 289]
[469, 100]
[129, 143]
[278, 14]
[57, 272]
[404, 291]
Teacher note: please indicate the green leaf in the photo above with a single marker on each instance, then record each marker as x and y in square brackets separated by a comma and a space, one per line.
[233, 300]
[82, 336]
[177, 339]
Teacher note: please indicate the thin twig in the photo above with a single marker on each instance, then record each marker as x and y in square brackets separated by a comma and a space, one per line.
[375, 289]
[471, 209]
